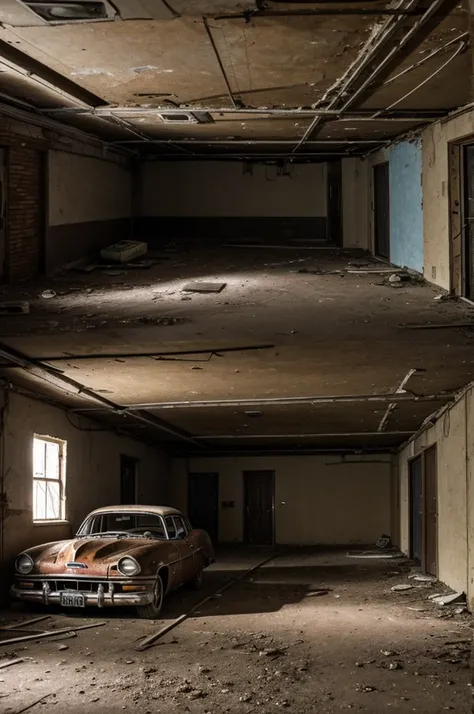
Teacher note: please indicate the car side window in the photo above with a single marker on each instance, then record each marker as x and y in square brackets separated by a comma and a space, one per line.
[170, 527]
[181, 530]
[188, 525]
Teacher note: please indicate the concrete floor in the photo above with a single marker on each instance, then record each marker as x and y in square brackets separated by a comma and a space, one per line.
[270, 642]
[332, 332]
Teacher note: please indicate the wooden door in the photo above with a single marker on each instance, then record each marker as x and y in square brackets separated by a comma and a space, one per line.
[203, 503]
[334, 200]
[3, 213]
[128, 480]
[259, 504]
[430, 507]
[416, 509]
[382, 211]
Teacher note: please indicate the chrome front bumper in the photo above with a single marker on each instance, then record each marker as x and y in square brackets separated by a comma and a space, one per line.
[101, 598]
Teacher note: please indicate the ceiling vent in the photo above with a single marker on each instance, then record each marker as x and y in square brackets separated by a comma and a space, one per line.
[186, 117]
[66, 12]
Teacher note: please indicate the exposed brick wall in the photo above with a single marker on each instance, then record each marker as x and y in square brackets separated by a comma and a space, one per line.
[25, 211]
[25, 200]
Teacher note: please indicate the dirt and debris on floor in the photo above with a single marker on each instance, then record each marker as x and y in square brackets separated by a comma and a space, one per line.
[264, 645]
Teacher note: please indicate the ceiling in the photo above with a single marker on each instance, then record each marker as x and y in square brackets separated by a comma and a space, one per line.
[242, 79]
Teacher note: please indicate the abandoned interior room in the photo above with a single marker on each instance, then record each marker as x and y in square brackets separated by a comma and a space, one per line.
[237, 281]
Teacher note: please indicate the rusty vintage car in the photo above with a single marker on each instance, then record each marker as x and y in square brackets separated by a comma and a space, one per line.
[121, 555]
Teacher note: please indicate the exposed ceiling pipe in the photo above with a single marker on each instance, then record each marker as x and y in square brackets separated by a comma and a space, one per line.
[394, 51]
[263, 112]
[462, 46]
[319, 12]
[361, 63]
[259, 142]
[54, 377]
[142, 136]
[465, 36]
[359, 434]
[286, 401]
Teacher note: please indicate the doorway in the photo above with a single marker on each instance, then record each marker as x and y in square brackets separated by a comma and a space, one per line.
[334, 201]
[416, 509]
[382, 211]
[128, 480]
[203, 503]
[3, 213]
[259, 489]
[468, 215]
[430, 502]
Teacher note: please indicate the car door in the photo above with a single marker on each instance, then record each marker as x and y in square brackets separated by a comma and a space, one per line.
[177, 533]
[196, 541]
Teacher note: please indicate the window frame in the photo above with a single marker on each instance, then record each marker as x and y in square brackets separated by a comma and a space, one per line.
[61, 480]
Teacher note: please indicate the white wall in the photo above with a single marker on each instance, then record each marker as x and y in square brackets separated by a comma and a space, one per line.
[92, 471]
[83, 189]
[356, 200]
[223, 189]
[454, 438]
[318, 499]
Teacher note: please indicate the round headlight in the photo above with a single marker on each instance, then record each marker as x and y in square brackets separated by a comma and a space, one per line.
[128, 566]
[24, 564]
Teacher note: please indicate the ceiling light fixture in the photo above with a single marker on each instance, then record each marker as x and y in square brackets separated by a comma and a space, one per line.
[87, 10]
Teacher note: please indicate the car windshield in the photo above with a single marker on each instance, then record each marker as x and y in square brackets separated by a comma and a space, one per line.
[140, 525]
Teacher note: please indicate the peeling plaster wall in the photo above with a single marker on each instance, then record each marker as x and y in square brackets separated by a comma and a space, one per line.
[406, 205]
[318, 500]
[90, 205]
[454, 439]
[436, 216]
[92, 472]
[232, 200]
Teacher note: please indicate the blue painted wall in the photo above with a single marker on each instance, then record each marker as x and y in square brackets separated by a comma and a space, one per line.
[406, 206]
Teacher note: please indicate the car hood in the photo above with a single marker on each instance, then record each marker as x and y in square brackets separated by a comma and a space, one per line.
[91, 551]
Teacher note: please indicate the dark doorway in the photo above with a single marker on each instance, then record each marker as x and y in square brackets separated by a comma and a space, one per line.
[334, 169]
[128, 480]
[203, 502]
[382, 211]
[469, 221]
[430, 512]
[259, 501]
[416, 509]
[3, 213]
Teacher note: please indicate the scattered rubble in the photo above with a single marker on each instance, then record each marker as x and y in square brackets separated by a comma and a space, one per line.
[449, 599]
[403, 587]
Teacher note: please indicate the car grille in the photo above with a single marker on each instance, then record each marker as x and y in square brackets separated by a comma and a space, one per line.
[90, 586]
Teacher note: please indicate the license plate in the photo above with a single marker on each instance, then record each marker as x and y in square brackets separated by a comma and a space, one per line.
[72, 600]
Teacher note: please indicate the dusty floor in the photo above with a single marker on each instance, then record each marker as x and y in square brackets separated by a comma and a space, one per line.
[329, 331]
[270, 642]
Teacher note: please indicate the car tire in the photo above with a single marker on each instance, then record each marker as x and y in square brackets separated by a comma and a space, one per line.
[152, 611]
[196, 581]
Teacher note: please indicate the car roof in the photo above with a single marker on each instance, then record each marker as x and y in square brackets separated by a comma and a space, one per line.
[134, 508]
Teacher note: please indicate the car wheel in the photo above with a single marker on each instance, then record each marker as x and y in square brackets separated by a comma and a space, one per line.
[152, 611]
[196, 582]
